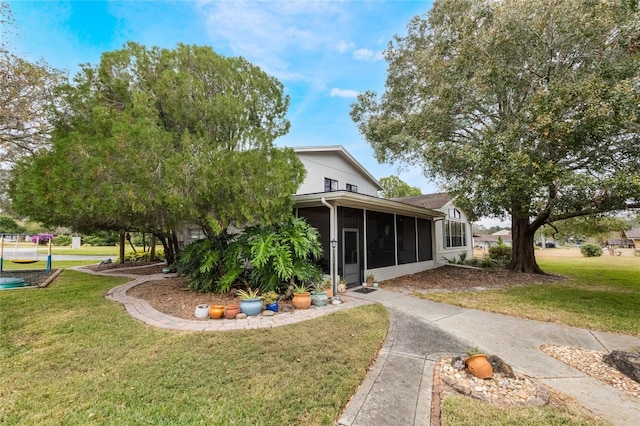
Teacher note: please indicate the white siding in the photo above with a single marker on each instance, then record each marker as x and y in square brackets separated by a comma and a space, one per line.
[332, 165]
[442, 253]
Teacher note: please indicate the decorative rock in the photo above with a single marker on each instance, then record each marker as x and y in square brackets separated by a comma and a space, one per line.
[626, 362]
[499, 366]
[268, 313]
[500, 390]
[241, 316]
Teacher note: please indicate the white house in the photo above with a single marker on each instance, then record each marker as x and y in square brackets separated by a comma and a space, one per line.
[363, 233]
[453, 233]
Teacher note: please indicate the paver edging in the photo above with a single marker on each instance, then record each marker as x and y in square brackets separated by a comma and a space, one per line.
[143, 311]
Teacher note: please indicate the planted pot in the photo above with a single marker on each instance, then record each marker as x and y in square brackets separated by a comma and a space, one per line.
[329, 292]
[301, 300]
[216, 311]
[272, 307]
[479, 366]
[231, 311]
[202, 311]
[251, 307]
[342, 287]
[319, 298]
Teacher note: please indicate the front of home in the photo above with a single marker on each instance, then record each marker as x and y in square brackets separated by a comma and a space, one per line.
[362, 233]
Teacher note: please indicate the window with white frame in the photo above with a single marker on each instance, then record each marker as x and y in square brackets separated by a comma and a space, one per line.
[352, 188]
[455, 231]
[330, 185]
[196, 234]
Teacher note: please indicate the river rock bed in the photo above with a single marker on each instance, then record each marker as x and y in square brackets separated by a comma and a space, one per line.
[499, 390]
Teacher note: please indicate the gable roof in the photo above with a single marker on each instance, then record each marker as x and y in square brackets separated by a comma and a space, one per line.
[339, 149]
[428, 201]
[633, 233]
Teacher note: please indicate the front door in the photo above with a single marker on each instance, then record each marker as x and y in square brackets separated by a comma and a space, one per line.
[351, 256]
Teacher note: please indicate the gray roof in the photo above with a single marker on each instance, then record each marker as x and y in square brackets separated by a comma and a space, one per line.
[633, 233]
[428, 201]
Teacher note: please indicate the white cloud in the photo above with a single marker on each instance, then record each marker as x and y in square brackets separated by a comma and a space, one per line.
[367, 55]
[343, 93]
[271, 34]
[344, 47]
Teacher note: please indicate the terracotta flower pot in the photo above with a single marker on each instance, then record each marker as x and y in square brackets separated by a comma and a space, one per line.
[479, 366]
[301, 301]
[329, 292]
[216, 311]
[231, 311]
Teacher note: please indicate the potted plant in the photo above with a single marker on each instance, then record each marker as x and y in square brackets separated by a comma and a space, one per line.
[270, 299]
[318, 295]
[477, 364]
[301, 297]
[328, 289]
[250, 302]
[342, 286]
[370, 279]
[230, 311]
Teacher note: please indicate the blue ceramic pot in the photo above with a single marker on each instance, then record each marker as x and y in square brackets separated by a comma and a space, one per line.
[272, 307]
[319, 298]
[251, 307]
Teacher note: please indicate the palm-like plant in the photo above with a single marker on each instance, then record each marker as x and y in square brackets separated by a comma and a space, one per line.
[277, 255]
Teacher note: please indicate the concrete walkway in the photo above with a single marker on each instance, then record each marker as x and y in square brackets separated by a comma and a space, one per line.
[398, 389]
[421, 331]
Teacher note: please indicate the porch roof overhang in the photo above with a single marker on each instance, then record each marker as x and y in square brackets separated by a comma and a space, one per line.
[362, 201]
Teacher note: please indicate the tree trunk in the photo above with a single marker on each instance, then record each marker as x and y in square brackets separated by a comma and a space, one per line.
[523, 258]
[152, 248]
[122, 247]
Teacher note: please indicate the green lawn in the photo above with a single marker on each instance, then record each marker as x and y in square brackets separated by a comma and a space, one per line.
[602, 293]
[69, 356]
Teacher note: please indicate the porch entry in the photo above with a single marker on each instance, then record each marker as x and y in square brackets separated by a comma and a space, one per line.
[351, 255]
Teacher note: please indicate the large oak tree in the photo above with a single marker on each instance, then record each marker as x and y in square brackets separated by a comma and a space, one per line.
[523, 107]
[150, 139]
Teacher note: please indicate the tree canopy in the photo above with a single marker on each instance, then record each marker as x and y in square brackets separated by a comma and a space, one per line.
[394, 187]
[528, 108]
[26, 91]
[152, 138]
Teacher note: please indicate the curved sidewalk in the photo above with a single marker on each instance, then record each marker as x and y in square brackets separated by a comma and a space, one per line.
[398, 389]
[143, 311]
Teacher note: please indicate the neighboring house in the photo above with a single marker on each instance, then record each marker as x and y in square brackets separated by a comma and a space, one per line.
[633, 234]
[484, 241]
[453, 232]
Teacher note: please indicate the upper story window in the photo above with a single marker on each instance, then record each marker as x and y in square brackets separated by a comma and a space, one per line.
[352, 188]
[455, 231]
[330, 185]
[455, 214]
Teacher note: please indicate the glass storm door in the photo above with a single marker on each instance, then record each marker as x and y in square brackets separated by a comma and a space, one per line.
[351, 256]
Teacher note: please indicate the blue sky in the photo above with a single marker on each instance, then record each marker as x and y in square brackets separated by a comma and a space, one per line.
[324, 52]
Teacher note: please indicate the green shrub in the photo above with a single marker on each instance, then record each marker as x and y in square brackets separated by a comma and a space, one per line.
[277, 255]
[101, 238]
[62, 240]
[500, 254]
[201, 262]
[591, 250]
[142, 256]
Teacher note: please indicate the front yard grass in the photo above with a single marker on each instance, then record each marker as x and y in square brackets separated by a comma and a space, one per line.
[69, 356]
[602, 293]
[458, 410]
